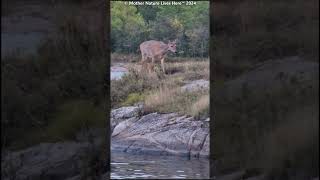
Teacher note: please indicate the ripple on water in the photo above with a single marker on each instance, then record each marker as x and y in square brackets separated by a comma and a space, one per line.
[126, 166]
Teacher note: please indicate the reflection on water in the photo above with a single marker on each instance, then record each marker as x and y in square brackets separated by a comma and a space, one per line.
[128, 166]
[117, 72]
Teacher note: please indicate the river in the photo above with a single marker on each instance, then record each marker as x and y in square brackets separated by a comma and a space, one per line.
[117, 71]
[130, 166]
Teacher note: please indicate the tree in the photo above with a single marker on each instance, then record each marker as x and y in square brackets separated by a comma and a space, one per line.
[127, 27]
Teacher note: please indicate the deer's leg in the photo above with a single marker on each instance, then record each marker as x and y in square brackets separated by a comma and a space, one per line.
[143, 57]
[162, 65]
[150, 68]
[152, 63]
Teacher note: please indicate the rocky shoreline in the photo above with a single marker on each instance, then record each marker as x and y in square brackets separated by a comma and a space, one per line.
[158, 134]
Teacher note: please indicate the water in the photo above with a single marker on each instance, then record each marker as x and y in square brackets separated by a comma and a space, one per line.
[117, 72]
[129, 166]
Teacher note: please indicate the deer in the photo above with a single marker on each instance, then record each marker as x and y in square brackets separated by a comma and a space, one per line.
[156, 51]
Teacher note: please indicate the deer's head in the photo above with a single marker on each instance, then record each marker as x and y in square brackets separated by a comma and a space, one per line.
[172, 46]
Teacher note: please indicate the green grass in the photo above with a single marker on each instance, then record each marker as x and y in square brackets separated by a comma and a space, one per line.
[132, 99]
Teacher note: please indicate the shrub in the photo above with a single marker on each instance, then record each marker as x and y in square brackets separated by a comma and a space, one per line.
[133, 98]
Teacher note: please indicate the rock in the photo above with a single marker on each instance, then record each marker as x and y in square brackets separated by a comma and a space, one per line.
[118, 115]
[45, 161]
[161, 134]
[196, 85]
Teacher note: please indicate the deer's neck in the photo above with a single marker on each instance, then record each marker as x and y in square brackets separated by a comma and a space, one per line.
[165, 50]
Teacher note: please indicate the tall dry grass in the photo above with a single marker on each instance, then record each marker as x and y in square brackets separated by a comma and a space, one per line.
[200, 107]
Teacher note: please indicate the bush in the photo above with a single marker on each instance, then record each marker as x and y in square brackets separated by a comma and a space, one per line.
[133, 98]
[134, 82]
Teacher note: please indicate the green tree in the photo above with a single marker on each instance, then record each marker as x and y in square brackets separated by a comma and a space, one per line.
[127, 27]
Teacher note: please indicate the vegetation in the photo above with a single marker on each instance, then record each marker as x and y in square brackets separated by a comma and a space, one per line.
[161, 93]
[131, 25]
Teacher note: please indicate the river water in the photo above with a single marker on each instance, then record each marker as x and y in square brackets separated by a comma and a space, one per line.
[129, 166]
[117, 71]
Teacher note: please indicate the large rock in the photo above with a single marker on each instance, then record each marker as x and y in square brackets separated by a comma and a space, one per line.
[161, 134]
[196, 85]
[120, 114]
[45, 161]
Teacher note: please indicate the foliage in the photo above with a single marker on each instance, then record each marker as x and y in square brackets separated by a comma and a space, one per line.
[128, 27]
[188, 24]
[132, 99]
[161, 93]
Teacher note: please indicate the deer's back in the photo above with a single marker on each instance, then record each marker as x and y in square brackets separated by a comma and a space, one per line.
[153, 48]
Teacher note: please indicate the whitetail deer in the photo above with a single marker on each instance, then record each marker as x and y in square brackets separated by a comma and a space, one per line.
[156, 51]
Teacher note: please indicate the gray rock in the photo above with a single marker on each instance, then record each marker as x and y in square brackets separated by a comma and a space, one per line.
[196, 86]
[45, 161]
[162, 134]
[118, 115]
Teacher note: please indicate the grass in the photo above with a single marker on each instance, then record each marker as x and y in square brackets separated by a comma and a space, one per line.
[162, 92]
[132, 99]
[200, 107]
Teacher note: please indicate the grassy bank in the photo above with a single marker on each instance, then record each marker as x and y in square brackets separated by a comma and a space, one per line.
[162, 92]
